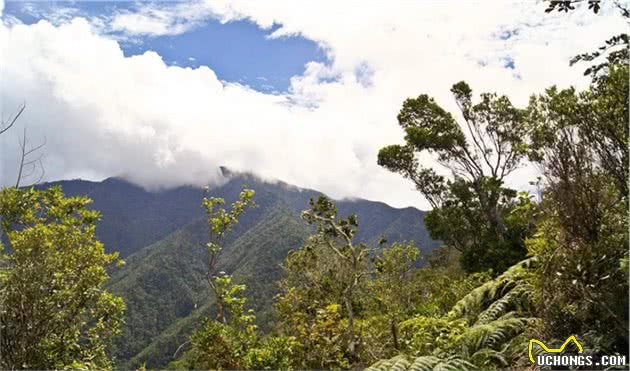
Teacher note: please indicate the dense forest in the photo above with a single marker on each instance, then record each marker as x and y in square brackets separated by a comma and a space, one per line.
[263, 276]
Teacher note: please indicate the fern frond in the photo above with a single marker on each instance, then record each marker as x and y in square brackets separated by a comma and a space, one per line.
[398, 363]
[493, 334]
[487, 357]
[486, 328]
[517, 299]
[424, 363]
[454, 364]
[478, 299]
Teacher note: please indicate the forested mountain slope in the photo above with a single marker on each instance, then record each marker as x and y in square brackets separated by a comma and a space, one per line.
[162, 236]
[165, 283]
[134, 218]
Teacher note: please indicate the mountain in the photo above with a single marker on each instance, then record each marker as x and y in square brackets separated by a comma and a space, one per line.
[162, 236]
[134, 218]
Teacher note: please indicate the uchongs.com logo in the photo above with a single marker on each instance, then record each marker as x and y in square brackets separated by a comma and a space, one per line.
[556, 356]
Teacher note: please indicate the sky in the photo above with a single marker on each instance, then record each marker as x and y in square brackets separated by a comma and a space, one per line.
[163, 93]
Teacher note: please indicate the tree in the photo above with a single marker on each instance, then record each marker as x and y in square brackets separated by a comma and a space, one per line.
[29, 165]
[615, 49]
[603, 112]
[224, 342]
[394, 287]
[54, 312]
[220, 221]
[469, 209]
[580, 141]
[309, 306]
[6, 125]
[225, 345]
[337, 235]
[232, 340]
[323, 294]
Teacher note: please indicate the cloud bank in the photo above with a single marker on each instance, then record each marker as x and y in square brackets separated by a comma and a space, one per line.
[104, 114]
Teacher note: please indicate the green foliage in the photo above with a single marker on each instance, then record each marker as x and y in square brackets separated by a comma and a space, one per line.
[581, 143]
[567, 5]
[54, 312]
[224, 343]
[588, 126]
[582, 286]
[323, 277]
[615, 52]
[222, 346]
[341, 303]
[424, 363]
[482, 330]
[425, 335]
[487, 301]
[274, 353]
[394, 292]
[217, 346]
[336, 235]
[233, 340]
[577, 279]
[390, 290]
[234, 302]
[615, 49]
[166, 283]
[220, 221]
[470, 210]
[393, 283]
[324, 340]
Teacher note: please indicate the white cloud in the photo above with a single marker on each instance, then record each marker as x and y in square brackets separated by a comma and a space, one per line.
[104, 114]
[161, 19]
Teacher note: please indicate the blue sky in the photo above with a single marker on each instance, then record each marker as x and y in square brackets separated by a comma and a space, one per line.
[163, 93]
[237, 51]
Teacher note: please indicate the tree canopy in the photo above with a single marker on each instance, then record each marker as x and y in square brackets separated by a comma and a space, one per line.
[54, 312]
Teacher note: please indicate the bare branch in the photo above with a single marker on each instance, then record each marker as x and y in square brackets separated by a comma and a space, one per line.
[25, 160]
[7, 125]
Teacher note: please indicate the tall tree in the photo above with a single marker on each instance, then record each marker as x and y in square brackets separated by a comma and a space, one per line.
[220, 222]
[471, 206]
[337, 235]
[580, 141]
[309, 306]
[394, 288]
[224, 342]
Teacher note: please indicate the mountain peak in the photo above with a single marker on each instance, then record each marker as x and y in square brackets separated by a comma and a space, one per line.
[226, 172]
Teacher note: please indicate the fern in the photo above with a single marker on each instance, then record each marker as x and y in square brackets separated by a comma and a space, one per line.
[454, 364]
[397, 363]
[493, 334]
[471, 305]
[486, 357]
[518, 299]
[424, 363]
[484, 329]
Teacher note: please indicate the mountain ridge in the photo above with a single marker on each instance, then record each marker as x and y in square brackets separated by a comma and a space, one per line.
[133, 217]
